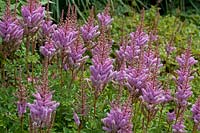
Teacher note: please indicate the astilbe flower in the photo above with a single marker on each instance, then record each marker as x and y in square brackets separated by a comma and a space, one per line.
[104, 17]
[22, 101]
[152, 95]
[183, 92]
[88, 30]
[48, 49]
[75, 56]
[33, 14]
[102, 68]
[118, 120]
[42, 109]
[196, 111]
[179, 127]
[11, 31]
[48, 27]
[76, 119]
[139, 38]
[63, 37]
[171, 116]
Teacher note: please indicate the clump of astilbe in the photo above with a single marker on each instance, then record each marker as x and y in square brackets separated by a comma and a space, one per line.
[11, 32]
[118, 120]
[196, 115]
[104, 18]
[102, 68]
[183, 92]
[89, 30]
[33, 14]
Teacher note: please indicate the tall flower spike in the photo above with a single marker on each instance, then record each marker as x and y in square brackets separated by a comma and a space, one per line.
[185, 61]
[102, 68]
[33, 14]
[10, 28]
[48, 49]
[196, 111]
[118, 120]
[179, 127]
[75, 56]
[21, 103]
[42, 109]
[88, 30]
[104, 17]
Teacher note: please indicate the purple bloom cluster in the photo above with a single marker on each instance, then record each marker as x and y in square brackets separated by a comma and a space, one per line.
[75, 57]
[48, 27]
[186, 61]
[196, 111]
[76, 119]
[48, 49]
[179, 127]
[42, 109]
[139, 38]
[63, 37]
[102, 68]
[89, 31]
[118, 120]
[152, 94]
[33, 14]
[10, 30]
[104, 17]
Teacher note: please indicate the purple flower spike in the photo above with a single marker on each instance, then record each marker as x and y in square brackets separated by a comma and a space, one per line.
[89, 31]
[186, 61]
[171, 116]
[179, 127]
[63, 38]
[47, 27]
[139, 38]
[76, 119]
[196, 111]
[118, 120]
[33, 15]
[151, 94]
[21, 107]
[104, 17]
[10, 30]
[48, 49]
[42, 109]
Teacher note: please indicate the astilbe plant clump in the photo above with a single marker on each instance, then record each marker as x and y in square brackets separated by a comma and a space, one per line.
[118, 120]
[133, 74]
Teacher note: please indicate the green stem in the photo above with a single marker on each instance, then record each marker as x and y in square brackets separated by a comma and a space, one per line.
[160, 116]
[195, 128]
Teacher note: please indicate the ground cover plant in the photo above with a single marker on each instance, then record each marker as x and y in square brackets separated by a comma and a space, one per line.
[114, 74]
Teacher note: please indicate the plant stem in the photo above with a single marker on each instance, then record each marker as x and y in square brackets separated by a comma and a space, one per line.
[22, 124]
[95, 101]
[160, 116]
[195, 128]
